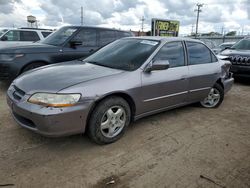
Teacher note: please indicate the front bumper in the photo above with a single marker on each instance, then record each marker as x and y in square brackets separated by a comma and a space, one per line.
[240, 70]
[8, 70]
[228, 83]
[48, 121]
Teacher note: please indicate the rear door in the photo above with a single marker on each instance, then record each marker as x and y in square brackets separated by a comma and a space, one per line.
[166, 88]
[203, 68]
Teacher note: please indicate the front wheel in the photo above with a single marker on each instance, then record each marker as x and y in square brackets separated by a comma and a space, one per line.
[214, 98]
[109, 120]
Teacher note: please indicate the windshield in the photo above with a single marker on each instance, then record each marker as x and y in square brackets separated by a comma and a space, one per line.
[243, 44]
[3, 31]
[59, 37]
[126, 54]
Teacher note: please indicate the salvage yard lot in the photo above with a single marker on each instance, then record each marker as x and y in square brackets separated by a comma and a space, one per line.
[170, 149]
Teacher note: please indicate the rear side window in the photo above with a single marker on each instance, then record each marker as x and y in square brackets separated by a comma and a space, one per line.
[173, 52]
[87, 37]
[106, 37]
[198, 53]
[29, 36]
[45, 34]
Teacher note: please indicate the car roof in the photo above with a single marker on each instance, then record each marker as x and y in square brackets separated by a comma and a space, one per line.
[95, 27]
[29, 30]
[167, 39]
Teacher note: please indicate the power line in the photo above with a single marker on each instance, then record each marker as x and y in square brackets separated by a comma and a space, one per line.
[199, 5]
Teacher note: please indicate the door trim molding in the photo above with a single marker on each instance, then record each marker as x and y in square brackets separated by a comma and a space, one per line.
[165, 96]
[200, 89]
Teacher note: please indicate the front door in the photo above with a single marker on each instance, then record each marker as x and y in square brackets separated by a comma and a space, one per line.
[166, 88]
[88, 37]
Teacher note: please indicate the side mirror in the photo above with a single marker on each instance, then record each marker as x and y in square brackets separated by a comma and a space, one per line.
[4, 38]
[73, 44]
[158, 65]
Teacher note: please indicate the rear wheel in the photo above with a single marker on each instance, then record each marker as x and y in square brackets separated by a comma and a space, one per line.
[214, 98]
[33, 66]
[109, 120]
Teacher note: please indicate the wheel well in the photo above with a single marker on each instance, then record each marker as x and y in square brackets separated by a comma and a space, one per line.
[44, 62]
[125, 96]
[220, 83]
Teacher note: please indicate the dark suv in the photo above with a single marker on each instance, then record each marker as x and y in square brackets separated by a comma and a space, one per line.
[239, 56]
[66, 44]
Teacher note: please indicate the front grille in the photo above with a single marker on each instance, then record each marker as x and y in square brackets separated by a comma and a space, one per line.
[240, 60]
[18, 93]
[24, 121]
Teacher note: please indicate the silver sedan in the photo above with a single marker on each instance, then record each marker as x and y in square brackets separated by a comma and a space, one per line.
[128, 79]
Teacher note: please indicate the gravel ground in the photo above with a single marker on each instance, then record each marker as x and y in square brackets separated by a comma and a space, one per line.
[187, 147]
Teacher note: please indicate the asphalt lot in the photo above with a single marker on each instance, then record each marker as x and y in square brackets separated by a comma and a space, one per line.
[170, 149]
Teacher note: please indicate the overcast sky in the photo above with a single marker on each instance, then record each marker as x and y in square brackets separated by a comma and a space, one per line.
[126, 14]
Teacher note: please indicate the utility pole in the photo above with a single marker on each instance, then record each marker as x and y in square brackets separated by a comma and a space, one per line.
[81, 15]
[199, 5]
[242, 31]
[142, 23]
[192, 30]
[222, 30]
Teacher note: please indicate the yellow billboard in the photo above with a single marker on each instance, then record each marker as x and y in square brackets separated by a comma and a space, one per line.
[162, 27]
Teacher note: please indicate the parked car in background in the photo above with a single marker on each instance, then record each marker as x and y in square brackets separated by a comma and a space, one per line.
[222, 47]
[124, 81]
[211, 44]
[22, 36]
[67, 43]
[239, 56]
[2, 31]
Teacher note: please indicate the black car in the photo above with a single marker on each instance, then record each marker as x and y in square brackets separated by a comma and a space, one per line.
[239, 56]
[66, 44]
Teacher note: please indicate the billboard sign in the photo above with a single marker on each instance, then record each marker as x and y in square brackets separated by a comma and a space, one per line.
[168, 28]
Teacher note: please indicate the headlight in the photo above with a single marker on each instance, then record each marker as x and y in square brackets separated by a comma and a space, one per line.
[223, 57]
[54, 100]
[9, 57]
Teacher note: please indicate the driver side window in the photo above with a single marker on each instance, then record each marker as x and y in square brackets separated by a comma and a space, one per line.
[173, 52]
[88, 37]
[12, 36]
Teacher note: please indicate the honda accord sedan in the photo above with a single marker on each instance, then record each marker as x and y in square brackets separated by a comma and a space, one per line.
[128, 79]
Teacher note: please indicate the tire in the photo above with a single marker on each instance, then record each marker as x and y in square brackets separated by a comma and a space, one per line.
[33, 66]
[214, 98]
[109, 120]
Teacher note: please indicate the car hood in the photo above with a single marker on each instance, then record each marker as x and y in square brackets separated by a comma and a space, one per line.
[232, 52]
[7, 44]
[54, 78]
[25, 48]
